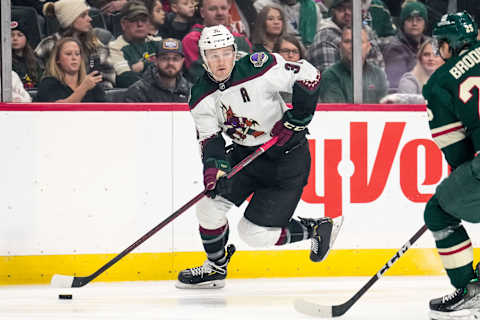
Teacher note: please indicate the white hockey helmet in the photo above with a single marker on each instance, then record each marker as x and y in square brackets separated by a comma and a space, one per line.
[215, 37]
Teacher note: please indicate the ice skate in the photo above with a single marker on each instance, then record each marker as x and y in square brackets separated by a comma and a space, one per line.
[325, 231]
[462, 304]
[208, 276]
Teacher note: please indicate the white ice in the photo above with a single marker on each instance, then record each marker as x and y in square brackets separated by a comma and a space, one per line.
[391, 298]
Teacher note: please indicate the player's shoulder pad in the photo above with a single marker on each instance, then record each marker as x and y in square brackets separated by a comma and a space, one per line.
[200, 90]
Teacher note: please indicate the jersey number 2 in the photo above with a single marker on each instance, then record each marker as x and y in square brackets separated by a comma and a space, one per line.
[465, 89]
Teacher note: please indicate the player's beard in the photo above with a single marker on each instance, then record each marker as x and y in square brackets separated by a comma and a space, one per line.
[169, 72]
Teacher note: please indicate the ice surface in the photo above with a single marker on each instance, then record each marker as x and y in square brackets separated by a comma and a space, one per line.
[404, 298]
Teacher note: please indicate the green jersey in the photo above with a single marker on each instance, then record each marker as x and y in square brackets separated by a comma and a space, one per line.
[452, 95]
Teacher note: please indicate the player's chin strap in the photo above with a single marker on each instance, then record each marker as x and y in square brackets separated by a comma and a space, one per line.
[221, 84]
[212, 76]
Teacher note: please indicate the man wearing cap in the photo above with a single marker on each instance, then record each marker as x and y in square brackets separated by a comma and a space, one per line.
[134, 50]
[325, 49]
[162, 81]
[401, 53]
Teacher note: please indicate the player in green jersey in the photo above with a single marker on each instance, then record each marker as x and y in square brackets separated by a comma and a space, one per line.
[452, 95]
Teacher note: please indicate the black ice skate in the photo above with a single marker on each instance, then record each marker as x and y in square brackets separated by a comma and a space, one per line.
[463, 303]
[325, 231]
[208, 276]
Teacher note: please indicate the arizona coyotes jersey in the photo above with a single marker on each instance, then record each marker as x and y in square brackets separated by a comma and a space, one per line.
[246, 106]
[452, 95]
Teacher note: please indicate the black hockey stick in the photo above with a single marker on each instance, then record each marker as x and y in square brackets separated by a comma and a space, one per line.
[63, 281]
[323, 311]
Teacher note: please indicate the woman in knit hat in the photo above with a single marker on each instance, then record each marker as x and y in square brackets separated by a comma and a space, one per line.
[401, 53]
[24, 61]
[66, 79]
[74, 21]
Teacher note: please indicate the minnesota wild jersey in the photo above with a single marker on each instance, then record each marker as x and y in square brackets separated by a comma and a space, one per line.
[246, 106]
[452, 95]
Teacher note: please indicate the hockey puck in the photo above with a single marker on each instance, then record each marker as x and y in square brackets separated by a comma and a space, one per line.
[65, 296]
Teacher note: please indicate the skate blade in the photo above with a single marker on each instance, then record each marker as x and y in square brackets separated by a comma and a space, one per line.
[337, 225]
[465, 314]
[215, 284]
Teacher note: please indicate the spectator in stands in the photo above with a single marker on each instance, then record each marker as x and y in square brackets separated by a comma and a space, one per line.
[134, 50]
[325, 51]
[19, 94]
[401, 53]
[213, 12]
[270, 25]
[179, 22]
[163, 81]
[290, 48]
[24, 61]
[75, 22]
[337, 85]
[157, 18]
[427, 63]
[66, 79]
[303, 18]
[30, 11]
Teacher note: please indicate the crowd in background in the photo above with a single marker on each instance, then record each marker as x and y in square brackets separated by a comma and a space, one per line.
[147, 50]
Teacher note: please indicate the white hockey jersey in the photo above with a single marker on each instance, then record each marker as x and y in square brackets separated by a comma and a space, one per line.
[246, 106]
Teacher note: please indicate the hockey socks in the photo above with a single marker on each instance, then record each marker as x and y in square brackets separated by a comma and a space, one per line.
[295, 231]
[214, 242]
[456, 252]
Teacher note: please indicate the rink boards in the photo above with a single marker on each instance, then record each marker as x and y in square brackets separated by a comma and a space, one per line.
[80, 183]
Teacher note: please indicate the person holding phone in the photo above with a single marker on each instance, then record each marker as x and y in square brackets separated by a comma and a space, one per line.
[66, 79]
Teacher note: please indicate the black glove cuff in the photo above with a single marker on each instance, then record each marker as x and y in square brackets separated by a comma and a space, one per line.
[223, 165]
[290, 122]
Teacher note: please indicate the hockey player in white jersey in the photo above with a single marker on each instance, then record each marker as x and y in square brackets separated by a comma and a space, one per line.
[242, 100]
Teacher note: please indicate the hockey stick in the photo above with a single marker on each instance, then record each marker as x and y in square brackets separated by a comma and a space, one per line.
[63, 281]
[323, 311]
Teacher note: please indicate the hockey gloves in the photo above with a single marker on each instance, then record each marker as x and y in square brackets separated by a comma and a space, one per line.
[285, 127]
[215, 180]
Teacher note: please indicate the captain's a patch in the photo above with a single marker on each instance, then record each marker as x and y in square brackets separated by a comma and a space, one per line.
[258, 59]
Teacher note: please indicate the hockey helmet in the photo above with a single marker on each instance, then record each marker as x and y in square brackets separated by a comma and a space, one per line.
[457, 29]
[215, 37]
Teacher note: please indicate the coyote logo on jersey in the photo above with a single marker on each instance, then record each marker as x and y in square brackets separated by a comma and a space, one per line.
[239, 127]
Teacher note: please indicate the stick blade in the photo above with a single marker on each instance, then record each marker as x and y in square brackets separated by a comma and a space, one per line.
[313, 309]
[61, 281]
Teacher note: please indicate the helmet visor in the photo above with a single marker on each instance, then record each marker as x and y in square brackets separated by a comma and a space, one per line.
[437, 43]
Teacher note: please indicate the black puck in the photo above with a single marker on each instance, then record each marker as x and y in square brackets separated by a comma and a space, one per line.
[65, 296]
